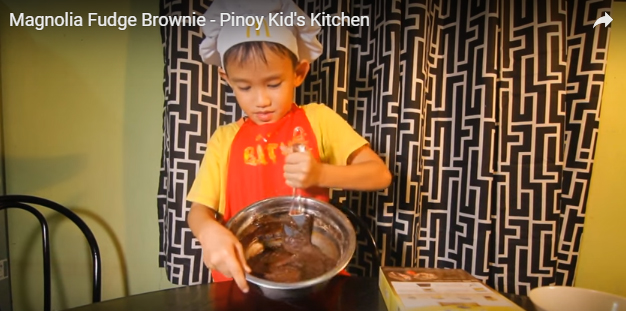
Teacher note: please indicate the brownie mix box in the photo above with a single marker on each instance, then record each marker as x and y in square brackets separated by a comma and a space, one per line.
[427, 289]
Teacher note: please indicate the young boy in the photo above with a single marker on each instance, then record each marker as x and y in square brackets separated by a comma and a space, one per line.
[248, 160]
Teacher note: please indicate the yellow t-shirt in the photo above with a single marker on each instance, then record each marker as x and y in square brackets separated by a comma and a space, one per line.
[336, 141]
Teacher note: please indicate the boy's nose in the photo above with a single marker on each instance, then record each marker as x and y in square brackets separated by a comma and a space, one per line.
[263, 99]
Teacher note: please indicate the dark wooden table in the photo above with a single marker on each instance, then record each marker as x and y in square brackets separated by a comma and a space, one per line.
[341, 294]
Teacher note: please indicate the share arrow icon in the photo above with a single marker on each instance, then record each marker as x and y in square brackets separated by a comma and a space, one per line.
[606, 20]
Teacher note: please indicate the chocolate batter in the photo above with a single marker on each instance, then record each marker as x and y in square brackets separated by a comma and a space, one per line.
[287, 259]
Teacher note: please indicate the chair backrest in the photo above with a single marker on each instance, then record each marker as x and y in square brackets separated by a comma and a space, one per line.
[363, 232]
[26, 202]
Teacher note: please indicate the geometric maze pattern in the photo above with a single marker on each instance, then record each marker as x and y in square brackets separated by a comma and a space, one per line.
[486, 113]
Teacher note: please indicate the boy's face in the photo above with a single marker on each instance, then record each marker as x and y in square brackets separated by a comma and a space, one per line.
[264, 90]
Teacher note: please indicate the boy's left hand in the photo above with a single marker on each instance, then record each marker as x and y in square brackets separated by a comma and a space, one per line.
[302, 170]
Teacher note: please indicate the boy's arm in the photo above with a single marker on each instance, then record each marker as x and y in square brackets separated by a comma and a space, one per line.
[346, 162]
[222, 251]
[365, 171]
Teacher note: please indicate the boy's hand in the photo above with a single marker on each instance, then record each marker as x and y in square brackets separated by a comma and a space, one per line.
[302, 170]
[224, 253]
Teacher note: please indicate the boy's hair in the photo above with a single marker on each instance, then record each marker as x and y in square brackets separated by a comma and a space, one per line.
[241, 52]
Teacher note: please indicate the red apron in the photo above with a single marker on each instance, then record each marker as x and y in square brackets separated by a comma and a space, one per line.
[256, 163]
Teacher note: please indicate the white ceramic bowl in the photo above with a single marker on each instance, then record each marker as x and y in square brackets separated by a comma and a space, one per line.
[565, 298]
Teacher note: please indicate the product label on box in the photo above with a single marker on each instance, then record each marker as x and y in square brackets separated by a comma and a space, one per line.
[454, 294]
[431, 289]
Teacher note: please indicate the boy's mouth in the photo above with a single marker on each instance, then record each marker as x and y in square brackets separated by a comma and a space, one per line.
[264, 116]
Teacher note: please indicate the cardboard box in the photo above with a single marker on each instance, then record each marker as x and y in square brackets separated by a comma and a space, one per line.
[425, 289]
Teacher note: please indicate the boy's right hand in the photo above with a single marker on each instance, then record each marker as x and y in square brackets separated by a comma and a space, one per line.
[224, 253]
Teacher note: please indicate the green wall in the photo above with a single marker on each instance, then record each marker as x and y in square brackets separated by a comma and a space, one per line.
[603, 248]
[82, 122]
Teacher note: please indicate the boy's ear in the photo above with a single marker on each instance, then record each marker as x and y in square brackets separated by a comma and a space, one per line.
[223, 74]
[302, 69]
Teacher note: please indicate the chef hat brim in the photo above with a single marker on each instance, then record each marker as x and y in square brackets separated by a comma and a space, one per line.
[301, 38]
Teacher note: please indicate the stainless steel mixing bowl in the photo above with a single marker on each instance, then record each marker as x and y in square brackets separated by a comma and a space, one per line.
[332, 233]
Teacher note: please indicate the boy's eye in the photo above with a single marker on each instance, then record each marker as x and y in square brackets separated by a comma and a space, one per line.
[243, 88]
[274, 85]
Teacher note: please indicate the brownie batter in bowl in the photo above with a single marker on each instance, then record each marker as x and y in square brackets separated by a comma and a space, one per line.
[295, 259]
[287, 267]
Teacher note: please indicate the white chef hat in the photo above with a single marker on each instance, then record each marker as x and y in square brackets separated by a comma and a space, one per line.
[301, 40]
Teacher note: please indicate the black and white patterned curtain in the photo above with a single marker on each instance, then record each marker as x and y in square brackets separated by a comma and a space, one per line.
[485, 111]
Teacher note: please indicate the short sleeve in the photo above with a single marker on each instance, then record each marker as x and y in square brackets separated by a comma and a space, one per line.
[337, 140]
[208, 182]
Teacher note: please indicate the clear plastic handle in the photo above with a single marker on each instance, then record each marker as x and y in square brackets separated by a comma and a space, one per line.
[296, 207]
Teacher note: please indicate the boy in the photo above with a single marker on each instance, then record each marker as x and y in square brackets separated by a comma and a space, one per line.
[248, 160]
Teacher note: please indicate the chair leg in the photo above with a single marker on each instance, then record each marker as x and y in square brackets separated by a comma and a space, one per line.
[45, 236]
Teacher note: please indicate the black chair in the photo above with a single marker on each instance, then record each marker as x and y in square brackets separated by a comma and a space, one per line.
[363, 232]
[26, 202]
